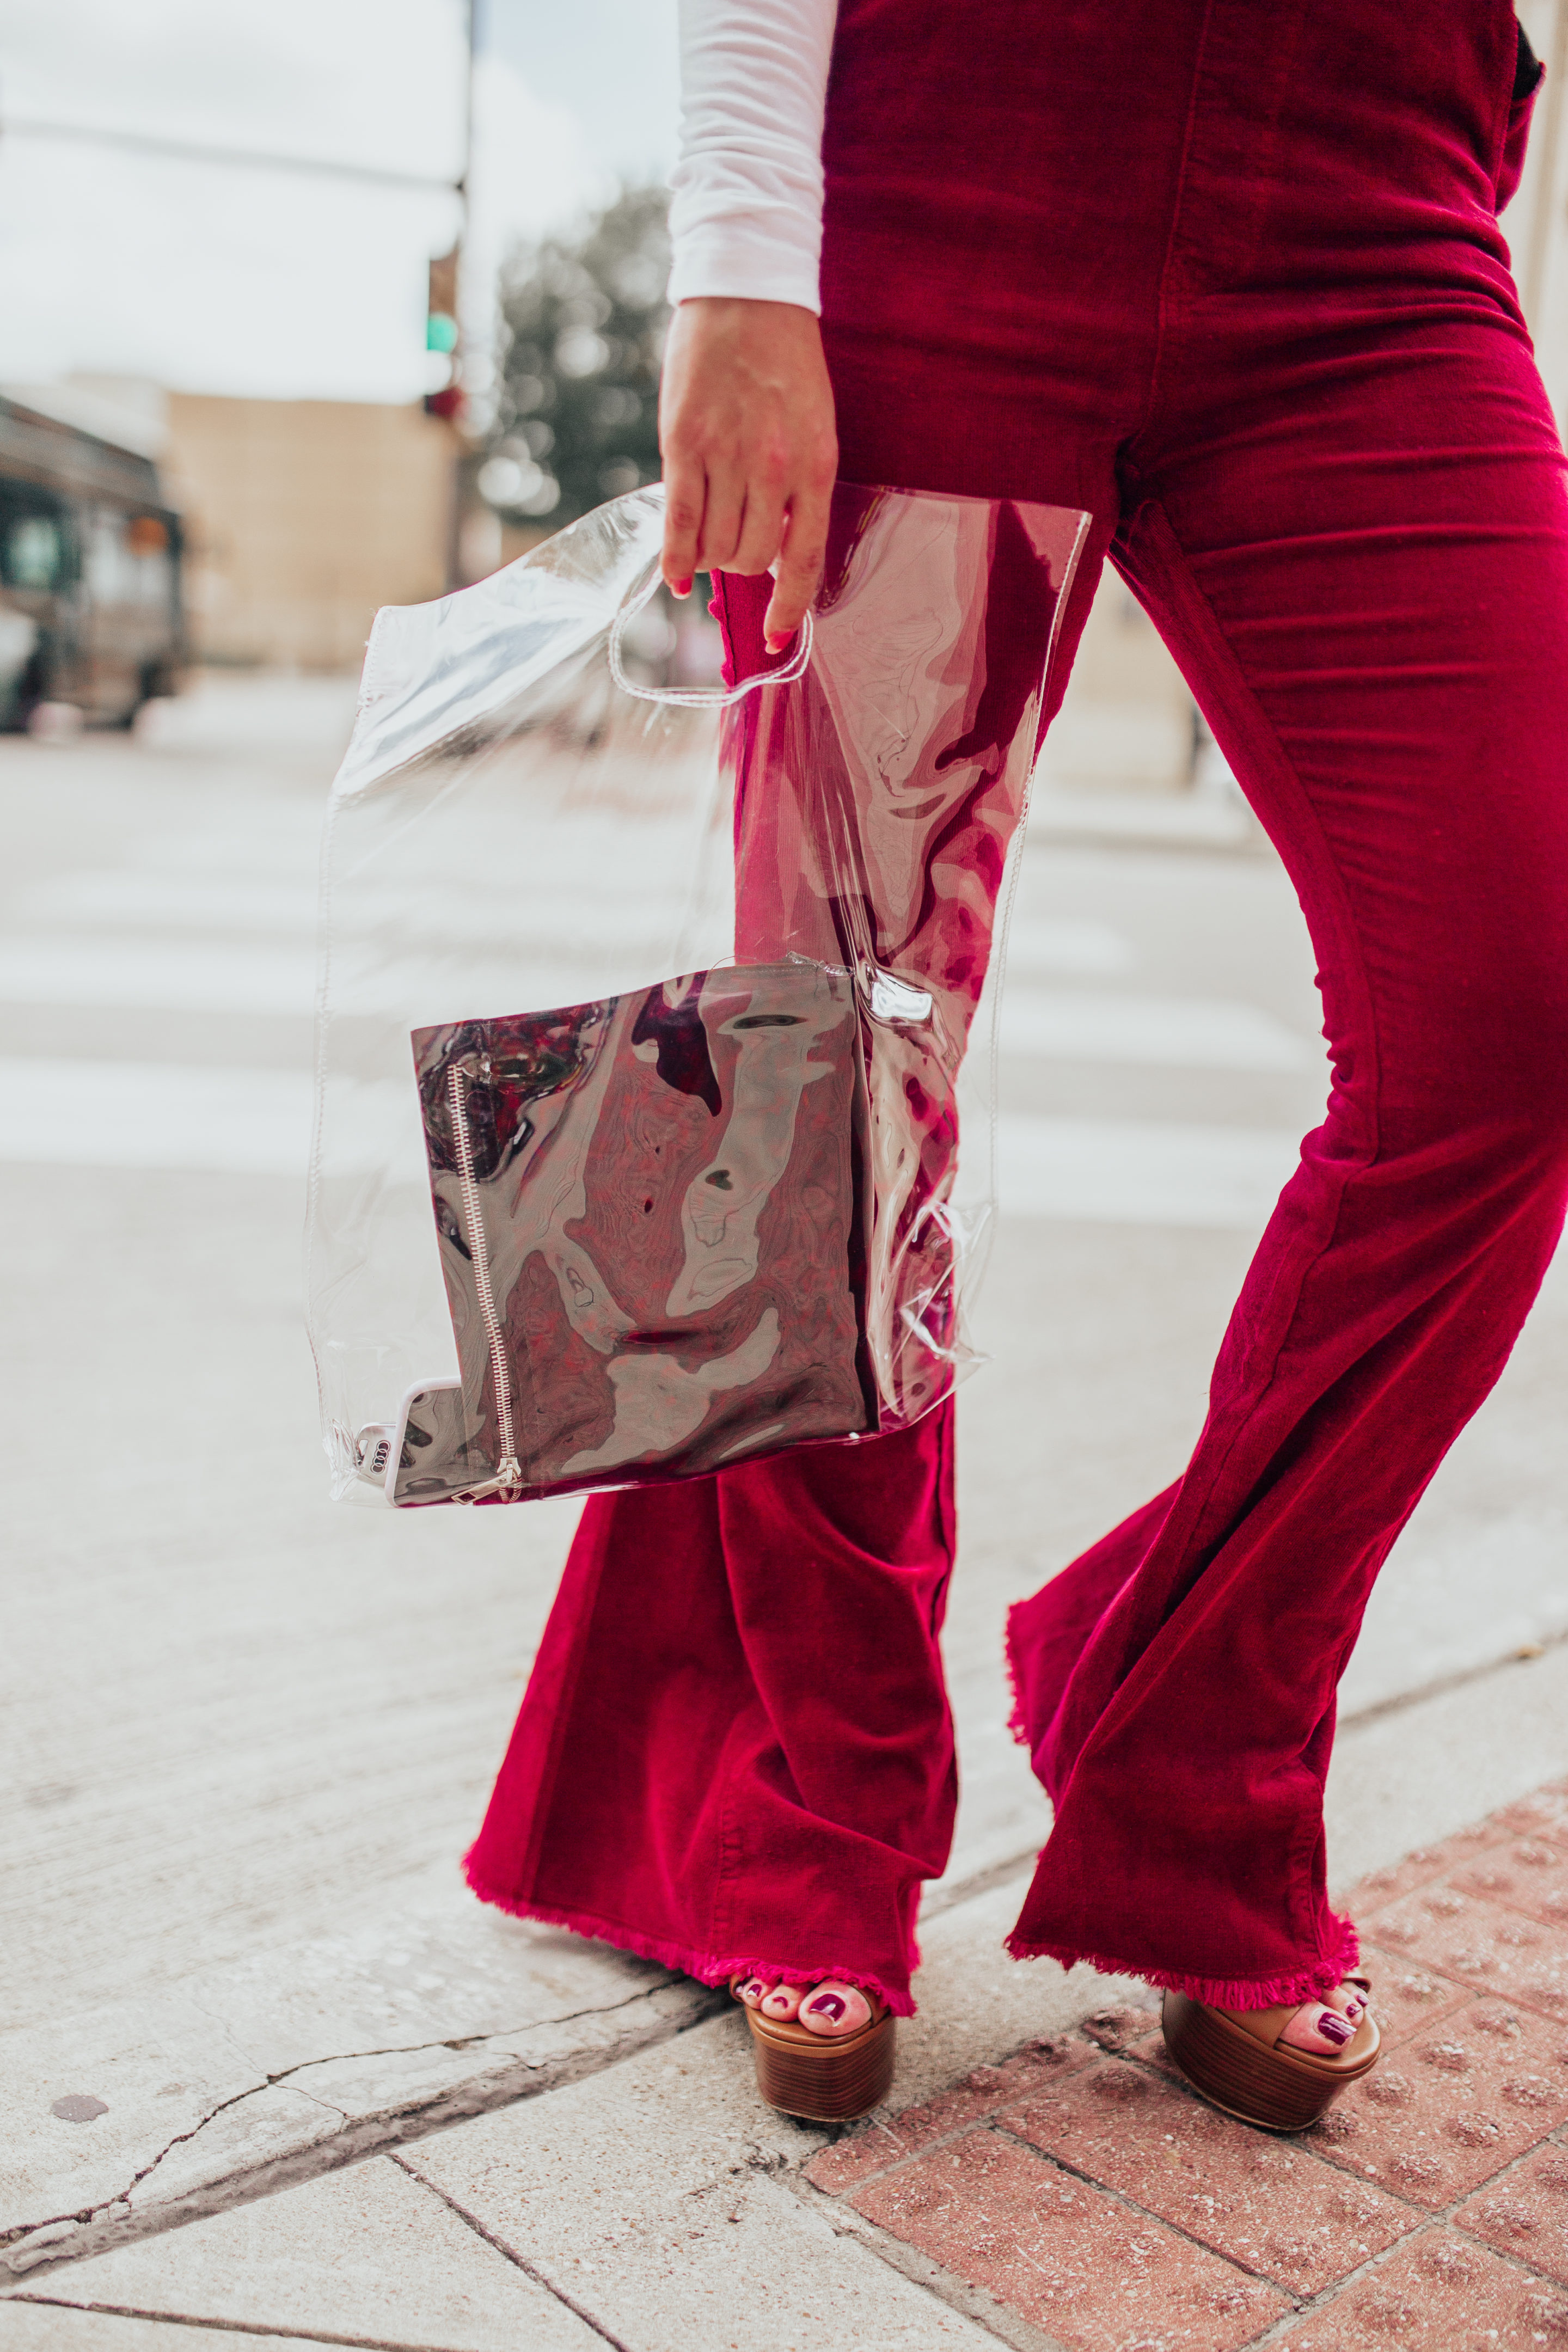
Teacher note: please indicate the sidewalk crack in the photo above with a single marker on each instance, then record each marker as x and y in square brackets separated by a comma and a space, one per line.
[519, 2262]
[18, 2256]
[269, 2328]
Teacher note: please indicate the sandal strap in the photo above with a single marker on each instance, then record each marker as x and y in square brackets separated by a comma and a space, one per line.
[1268, 2026]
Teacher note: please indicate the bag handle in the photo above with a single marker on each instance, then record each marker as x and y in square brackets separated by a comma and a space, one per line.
[698, 698]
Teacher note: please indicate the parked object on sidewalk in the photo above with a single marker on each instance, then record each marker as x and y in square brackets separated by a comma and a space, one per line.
[92, 612]
[1241, 2065]
[678, 1222]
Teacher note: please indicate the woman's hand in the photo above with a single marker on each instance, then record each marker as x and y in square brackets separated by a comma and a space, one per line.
[745, 424]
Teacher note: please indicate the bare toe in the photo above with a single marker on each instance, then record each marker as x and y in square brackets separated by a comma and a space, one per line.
[834, 2009]
[1323, 2031]
[751, 1991]
[783, 2002]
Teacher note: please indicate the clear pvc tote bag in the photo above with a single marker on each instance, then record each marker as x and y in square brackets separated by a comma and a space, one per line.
[645, 1012]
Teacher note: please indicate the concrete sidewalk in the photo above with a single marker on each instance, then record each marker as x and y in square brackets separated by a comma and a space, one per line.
[1085, 2188]
[1038, 2179]
[245, 1737]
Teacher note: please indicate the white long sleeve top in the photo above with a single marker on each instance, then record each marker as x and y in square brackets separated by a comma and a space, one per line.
[746, 218]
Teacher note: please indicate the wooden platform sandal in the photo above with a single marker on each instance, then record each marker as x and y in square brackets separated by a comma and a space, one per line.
[1240, 2064]
[814, 2076]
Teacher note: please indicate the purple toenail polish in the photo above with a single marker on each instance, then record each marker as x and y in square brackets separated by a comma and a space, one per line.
[828, 2005]
[1333, 2027]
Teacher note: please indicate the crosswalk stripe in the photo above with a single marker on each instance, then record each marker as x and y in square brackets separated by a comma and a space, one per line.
[1141, 1171]
[84, 1114]
[224, 1121]
[1181, 1032]
[147, 975]
[257, 978]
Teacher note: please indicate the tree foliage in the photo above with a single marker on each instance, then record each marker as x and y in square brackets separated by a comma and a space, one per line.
[584, 321]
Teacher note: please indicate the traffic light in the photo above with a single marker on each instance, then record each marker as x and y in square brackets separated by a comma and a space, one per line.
[442, 335]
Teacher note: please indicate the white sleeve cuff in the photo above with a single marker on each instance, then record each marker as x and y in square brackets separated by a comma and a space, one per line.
[761, 253]
[746, 219]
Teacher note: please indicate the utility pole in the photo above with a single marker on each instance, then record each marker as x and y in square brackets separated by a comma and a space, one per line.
[444, 332]
[443, 328]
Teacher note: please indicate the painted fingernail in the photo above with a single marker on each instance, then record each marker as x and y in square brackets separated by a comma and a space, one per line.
[1333, 2027]
[680, 587]
[775, 645]
[830, 2005]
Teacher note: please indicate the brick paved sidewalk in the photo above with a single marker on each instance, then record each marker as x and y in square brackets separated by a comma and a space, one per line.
[1089, 2190]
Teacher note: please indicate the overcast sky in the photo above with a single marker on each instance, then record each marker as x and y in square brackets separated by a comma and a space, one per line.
[213, 277]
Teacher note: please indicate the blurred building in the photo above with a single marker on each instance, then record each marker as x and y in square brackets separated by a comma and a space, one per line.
[301, 517]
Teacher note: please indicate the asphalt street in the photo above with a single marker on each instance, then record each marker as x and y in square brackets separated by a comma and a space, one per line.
[237, 1714]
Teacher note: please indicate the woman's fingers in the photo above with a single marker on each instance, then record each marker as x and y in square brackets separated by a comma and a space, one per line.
[800, 565]
[762, 529]
[721, 517]
[746, 429]
[684, 493]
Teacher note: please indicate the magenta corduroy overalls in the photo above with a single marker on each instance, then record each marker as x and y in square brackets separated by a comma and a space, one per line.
[1229, 277]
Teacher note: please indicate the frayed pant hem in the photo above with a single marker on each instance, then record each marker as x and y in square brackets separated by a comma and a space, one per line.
[1306, 1984]
[708, 1968]
[1017, 1723]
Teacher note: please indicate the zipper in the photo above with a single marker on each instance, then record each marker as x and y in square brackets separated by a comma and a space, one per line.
[508, 1474]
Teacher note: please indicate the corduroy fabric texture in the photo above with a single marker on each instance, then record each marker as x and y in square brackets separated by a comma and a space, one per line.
[1231, 278]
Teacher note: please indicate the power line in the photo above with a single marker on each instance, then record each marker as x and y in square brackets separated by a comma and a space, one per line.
[243, 158]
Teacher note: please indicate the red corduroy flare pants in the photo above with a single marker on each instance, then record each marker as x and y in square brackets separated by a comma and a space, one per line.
[1230, 278]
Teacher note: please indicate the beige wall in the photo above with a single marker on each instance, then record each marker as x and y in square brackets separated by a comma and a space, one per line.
[303, 516]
